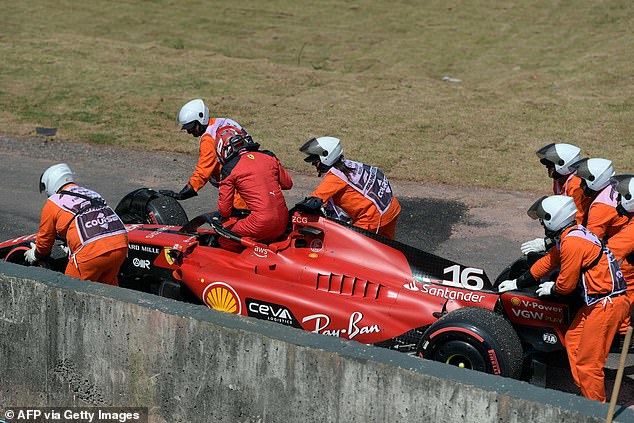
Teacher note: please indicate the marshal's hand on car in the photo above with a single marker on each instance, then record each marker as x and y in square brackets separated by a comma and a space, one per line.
[31, 254]
[546, 288]
[508, 285]
[536, 245]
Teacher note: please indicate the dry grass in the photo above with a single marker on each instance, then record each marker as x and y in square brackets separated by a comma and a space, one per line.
[370, 72]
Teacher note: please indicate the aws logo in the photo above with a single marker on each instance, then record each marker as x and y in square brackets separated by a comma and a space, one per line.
[222, 297]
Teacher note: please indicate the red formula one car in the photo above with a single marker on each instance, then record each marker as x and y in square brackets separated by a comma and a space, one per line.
[336, 280]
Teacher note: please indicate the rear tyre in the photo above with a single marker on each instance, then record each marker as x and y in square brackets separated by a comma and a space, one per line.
[474, 338]
[148, 206]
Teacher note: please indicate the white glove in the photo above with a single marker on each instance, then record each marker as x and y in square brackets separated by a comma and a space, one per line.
[545, 288]
[536, 245]
[509, 285]
[29, 255]
[65, 249]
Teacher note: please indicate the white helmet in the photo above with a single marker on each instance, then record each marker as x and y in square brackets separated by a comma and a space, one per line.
[328, 149]
[624, 185]
[194, 110]
[595, 172]
[555, 212]
[561, 156]
[55, 177]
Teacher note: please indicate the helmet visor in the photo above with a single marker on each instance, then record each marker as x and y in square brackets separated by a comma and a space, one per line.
[537, 212]
[42, 186]
[548, 155]
[583, 171]
[312, 147]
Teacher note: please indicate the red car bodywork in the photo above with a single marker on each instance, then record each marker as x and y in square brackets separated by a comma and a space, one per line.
[329, 279]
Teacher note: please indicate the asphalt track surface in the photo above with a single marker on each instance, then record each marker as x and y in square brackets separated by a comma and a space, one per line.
[475, 227]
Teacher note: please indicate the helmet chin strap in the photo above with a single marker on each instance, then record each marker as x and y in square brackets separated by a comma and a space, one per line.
[558, 176]
[322, 168]
[622, 212]
[590, 193]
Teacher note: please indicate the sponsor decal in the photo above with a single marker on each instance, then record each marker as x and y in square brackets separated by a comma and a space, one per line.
[494, 362]
[157, 231]
[322, 326]
[145, 248]
[313, 255]
[300, 219]
[141, 263]
[545, 307]
[468, 277]
[271, 312]
[316, 245]
[101, 220]
[411, 286]
[549, 338]
[260, 252]
[534, 310]
[251, 156]
[222, 297]
[20, 239]
[450, 294]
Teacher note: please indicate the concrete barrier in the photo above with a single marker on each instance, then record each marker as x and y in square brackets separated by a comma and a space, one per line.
[64, 342]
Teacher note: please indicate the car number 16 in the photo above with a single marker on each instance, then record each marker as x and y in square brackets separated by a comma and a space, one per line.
[467, 278]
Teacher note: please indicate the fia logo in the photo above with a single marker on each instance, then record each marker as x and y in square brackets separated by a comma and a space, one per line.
[550, 338]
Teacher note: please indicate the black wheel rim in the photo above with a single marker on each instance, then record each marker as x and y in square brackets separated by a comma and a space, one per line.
[461, 354]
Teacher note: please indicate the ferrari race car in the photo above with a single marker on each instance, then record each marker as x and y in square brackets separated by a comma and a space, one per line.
[335, 280]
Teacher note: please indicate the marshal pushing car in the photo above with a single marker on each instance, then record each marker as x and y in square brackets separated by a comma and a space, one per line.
[335, 280]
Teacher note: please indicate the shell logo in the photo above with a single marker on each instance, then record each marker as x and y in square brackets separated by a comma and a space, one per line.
[222, 297]
[515, 301]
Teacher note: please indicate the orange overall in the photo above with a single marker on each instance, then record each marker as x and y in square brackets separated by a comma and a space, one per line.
[622, 246]
[208, 167]
[97, 261]
[363, 212]
[590, 335]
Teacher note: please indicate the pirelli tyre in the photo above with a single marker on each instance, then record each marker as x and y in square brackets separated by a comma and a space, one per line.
[146, 205]
[474, 338]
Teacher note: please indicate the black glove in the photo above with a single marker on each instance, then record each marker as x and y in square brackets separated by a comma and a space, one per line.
[187, 192]
[213, 218]
[309, 205]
